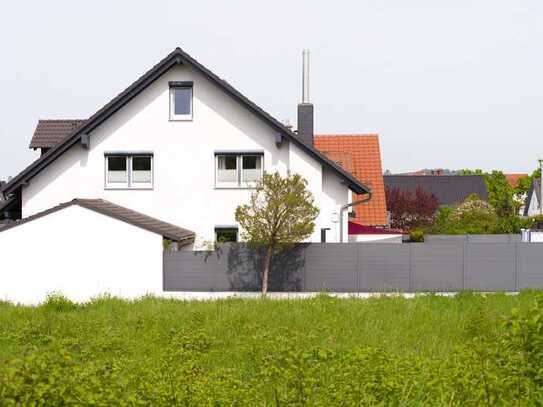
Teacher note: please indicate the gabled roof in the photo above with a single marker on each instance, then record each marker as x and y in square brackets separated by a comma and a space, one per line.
[448, 189]
[534, 189]
[178, 56]
[121, 213]
[49, 133]
[359, 154]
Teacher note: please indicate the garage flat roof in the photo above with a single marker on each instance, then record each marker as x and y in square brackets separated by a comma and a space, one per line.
[121, 213]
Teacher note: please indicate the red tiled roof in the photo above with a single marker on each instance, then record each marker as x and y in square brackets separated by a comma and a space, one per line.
[360, 155]
[513, 179]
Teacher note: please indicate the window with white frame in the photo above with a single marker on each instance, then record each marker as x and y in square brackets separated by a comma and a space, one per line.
[134, 171]
[234, 170]
[181, 100]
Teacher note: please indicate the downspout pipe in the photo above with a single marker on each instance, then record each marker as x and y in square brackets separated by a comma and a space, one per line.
[344, 208]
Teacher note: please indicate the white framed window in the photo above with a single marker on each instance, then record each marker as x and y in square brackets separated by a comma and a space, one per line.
[238, 170]
[181, 100]
[128, 171]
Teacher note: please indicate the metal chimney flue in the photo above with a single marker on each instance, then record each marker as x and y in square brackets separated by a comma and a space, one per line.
[305, 108]
[305, 76]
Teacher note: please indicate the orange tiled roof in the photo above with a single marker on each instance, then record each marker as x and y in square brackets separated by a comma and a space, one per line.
[360, 155]
[513, 179]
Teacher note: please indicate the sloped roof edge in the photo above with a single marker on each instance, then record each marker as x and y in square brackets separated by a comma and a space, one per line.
[121, 213]
[178, 56]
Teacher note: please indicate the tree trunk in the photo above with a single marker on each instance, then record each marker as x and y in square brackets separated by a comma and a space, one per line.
[266, 271]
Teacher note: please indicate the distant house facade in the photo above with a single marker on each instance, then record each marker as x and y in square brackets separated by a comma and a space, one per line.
[447, 189]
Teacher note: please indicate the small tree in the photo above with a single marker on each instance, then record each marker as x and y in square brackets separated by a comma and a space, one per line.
[280, 212]
[500, 194]
[410, 210]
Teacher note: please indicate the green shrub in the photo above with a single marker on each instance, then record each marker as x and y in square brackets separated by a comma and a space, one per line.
[416, 236]
[58, 303]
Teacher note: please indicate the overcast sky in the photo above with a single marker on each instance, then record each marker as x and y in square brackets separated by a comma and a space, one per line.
[451, 84]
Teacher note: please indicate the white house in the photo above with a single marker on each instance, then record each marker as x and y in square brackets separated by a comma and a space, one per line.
[183, 146]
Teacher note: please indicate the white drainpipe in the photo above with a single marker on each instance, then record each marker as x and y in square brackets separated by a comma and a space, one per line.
[345, 207]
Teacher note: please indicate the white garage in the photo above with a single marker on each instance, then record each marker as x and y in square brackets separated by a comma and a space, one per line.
[82, 249]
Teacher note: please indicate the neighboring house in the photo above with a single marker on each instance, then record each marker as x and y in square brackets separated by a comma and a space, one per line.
[360, 155]
[448, 189]
[532, 206]
[180, 145]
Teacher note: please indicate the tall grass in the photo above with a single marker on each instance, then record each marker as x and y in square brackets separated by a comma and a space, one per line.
[128, 346]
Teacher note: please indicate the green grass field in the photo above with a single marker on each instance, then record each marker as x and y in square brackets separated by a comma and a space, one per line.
[430, 350]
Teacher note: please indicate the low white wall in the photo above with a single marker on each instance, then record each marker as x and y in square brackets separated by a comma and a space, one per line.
[385, 238]
[80, 254]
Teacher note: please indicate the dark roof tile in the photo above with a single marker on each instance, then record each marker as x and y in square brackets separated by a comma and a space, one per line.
[49, 133]
[448, 189]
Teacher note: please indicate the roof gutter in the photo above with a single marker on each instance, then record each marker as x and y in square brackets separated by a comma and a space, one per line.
[344, 208]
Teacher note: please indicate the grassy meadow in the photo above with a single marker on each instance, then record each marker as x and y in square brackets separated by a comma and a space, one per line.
[429, 350]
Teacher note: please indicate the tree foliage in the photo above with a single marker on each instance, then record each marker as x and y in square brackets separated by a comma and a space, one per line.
[500, 194]
[474, 216]
[280, 212]
[409, 209]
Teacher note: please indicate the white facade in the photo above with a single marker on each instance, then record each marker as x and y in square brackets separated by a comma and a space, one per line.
[184, 191]
[81, 254]
[533, 206]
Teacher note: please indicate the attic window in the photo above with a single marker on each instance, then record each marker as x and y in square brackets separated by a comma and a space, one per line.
[181, 100]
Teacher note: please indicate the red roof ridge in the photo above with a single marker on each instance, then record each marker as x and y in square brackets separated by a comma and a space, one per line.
[347, 135]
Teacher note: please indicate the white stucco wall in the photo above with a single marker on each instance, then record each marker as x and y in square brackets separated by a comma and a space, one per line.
[184, 168]
[533, 206]
[80, 254]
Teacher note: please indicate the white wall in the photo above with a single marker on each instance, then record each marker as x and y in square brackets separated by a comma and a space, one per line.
[385, 238]
[184, 166]
[80, 254]
[533, 206]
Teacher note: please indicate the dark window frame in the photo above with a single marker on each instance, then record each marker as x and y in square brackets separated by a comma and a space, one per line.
[226, 229]
[129, 183]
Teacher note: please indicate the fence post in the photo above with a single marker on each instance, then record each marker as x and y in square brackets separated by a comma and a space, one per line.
[464, 260]
[358, 272]
[410, 267]
[517, 265]
[304, 268]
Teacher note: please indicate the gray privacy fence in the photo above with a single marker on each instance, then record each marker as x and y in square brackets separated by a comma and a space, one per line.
[361, 267]
[511, 238]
